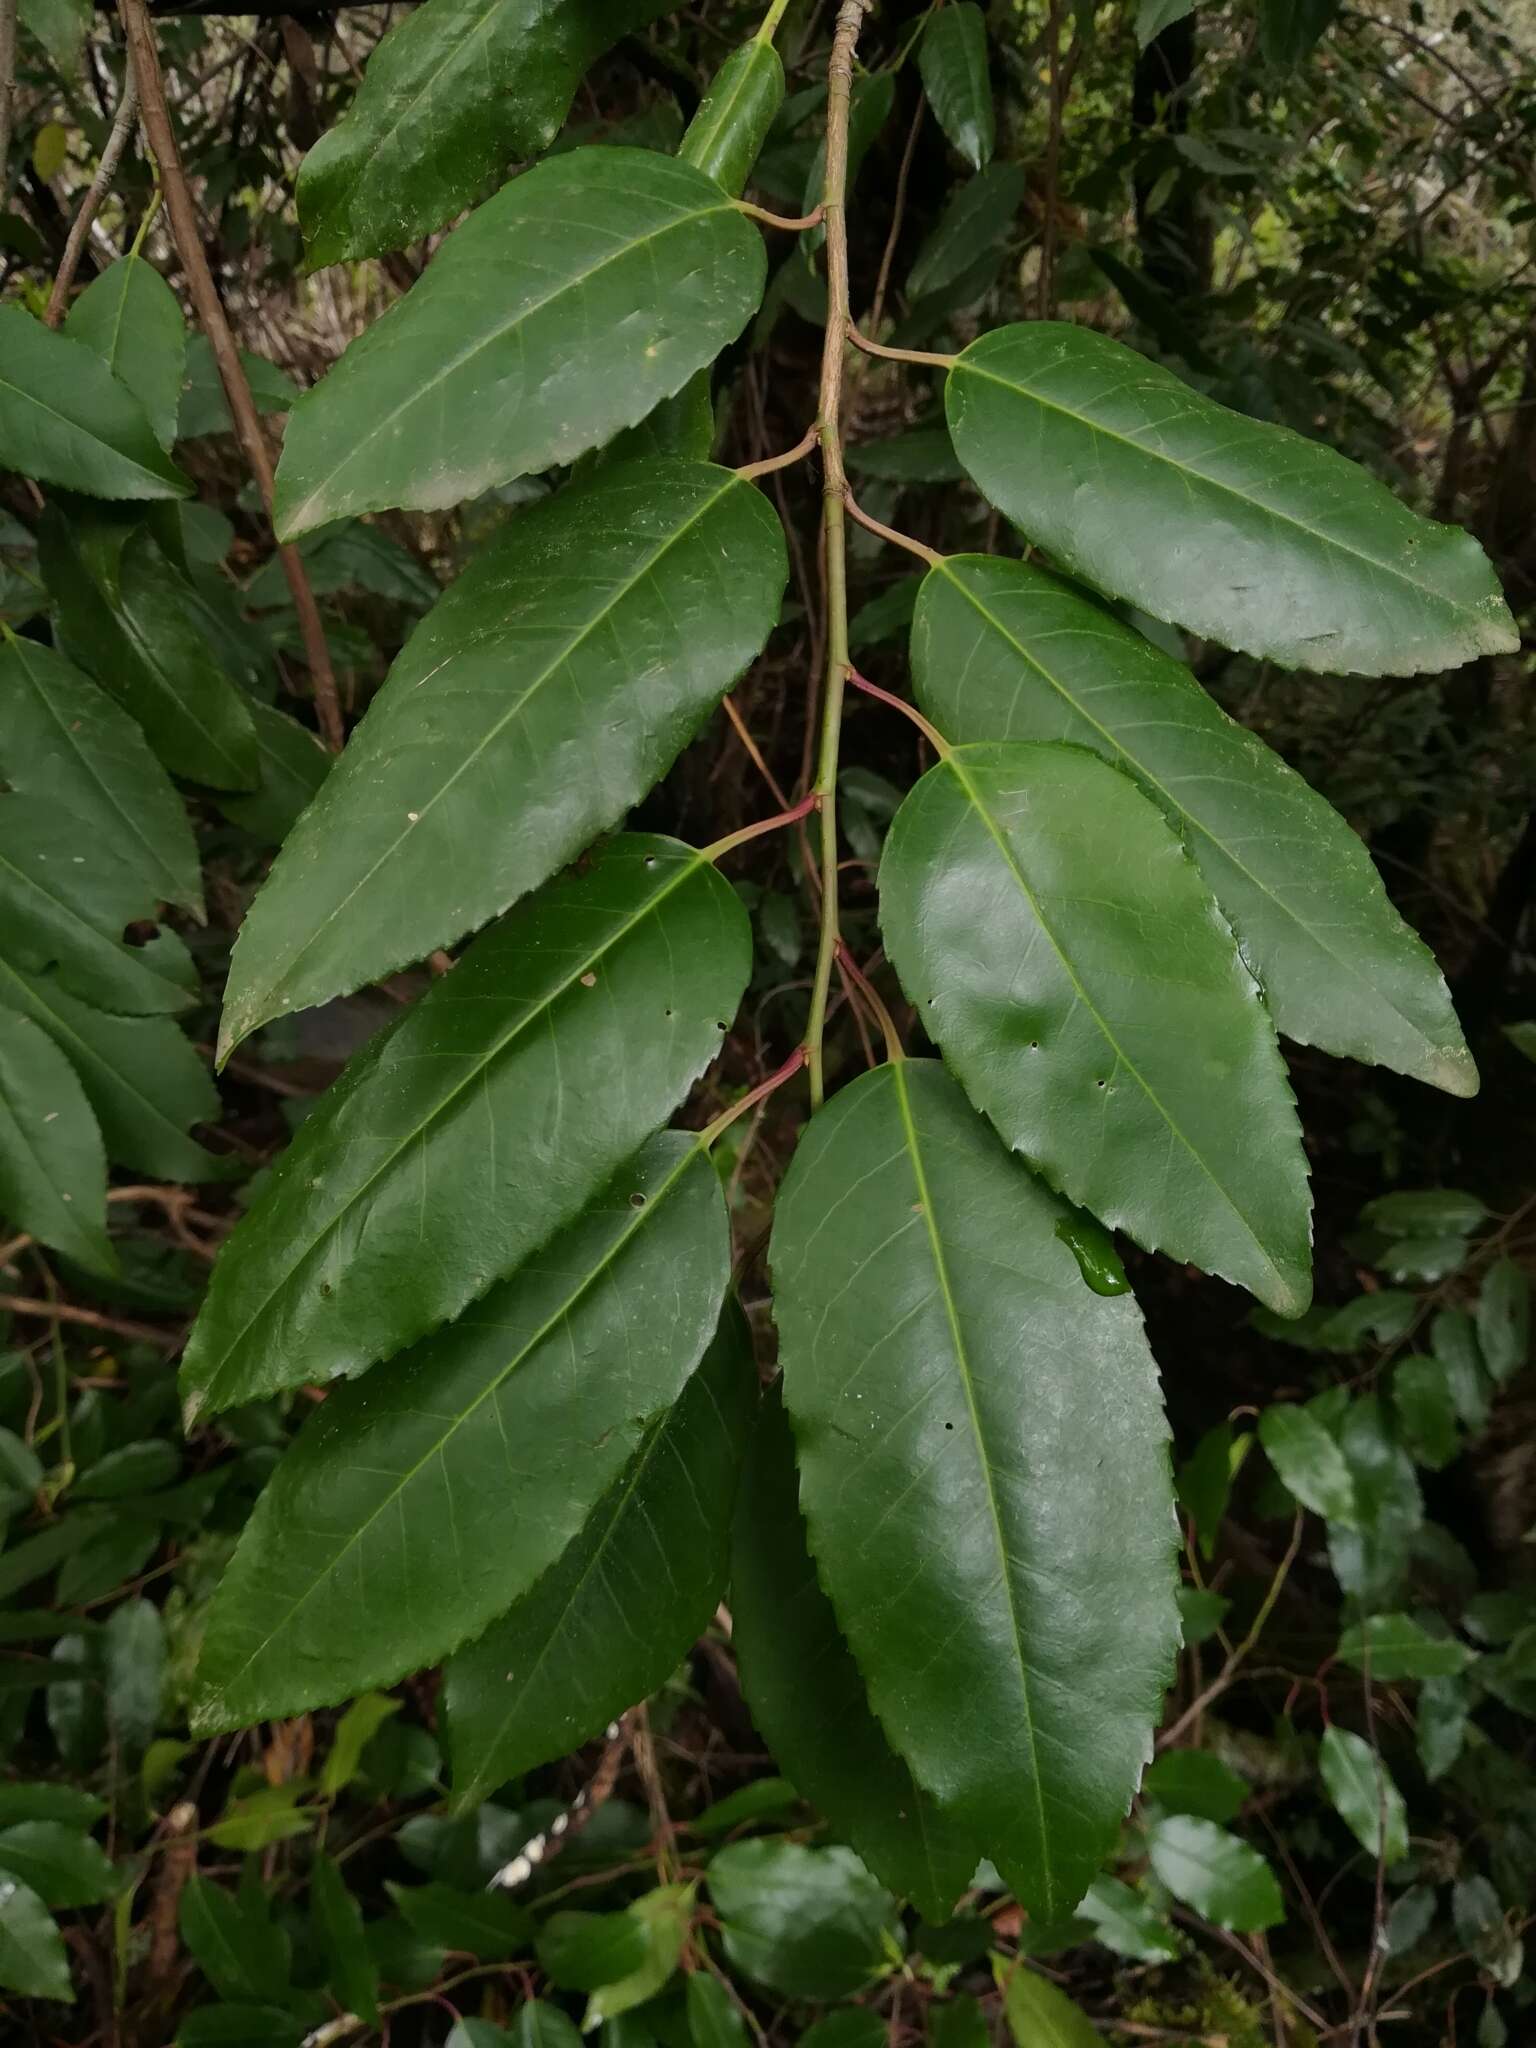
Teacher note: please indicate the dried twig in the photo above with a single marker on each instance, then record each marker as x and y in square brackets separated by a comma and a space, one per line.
[66, 1312]
[90, 205]
[145, 60]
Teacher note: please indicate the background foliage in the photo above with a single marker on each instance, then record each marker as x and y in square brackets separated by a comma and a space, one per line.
[1318, 216]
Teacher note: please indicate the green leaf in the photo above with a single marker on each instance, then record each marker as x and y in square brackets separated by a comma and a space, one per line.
[133, 1643]
[539, 2024]
[1153, 16]
[1409, 1920]
[1362, 1791]
[479, 1123]
[1453, 1340]
[602, 628]
[1002, 650]
[32, 1956]
[65, 419]
[1424, 1405]
[807, 1923]
[453, 93]
[952, 58]
[1201, 1612]
[60, 27]
[124, 615]
[1504, 1320]
[974, 1504]
[65, 1803]
[1391, 1646]
[1288, 29]
[663, 1916]
[130, 1469]
[237, 1948]
[958, 2022]
[1124, 474]
[239, 2025]
[292, 765]
[977, 221]
[808, 1697]
[53, 1171]
[853, 2026]
[205, 409]
[392, 1532]
[642, 256]
[1203, 1483]
[141, 1077]
[1065, 955]
[484, 1924]
[609, 1623]
[714, 2018]
[917, 455]
[1194, 1781]
[352, 1974]
[1310, 1464]
[270, 1814]
[1128, 1923]
[129, 317]
[62, 1865]
[1427, 1212]
[726, 135]
[1217, 1874]
[1038, 2015]
[581, 1951]
[354, 1731]
[64, 740]
[65, 900]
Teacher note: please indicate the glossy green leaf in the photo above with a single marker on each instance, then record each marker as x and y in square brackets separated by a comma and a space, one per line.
[663, 1916]
[352, 1974]
[546, 693]
[53, 1170]
[807, 1923]
[237, 1948]
[1425, 1212]
[32, 1956]
[1393, 1646]
[1424, 1407]
[1504, 1320]
[354, 1731]
[65, 419]
[952, 58]
[291, 763]
[60, 27]
[539, 2024]
[1203, 1482]
[38, 1801]
[454, 93]
[1153, 16]
[63, 739]
[141, 1077]
[580, 1951]
[977, 221]
[612, 1620]
[65, 901]
[1065, 955]
[978, 1504]
[485, 1924]
[1311, 1466]
[957, 2022]
[726, 135]
[129, 1470]
[124, 614]
[714, 2018]
[394, 1531]
[1362, 1789]
[1039, 2015]
[1453, 1340]
[1127, 1923]
[483, 1120]
[808, 1698]
[1214, 1872]
[1001, 650]
[642, 256]
[1195, 1781]
[1228, 526]
[129, 317]
[62, 1865]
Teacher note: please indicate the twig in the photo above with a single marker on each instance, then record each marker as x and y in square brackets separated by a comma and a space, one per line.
[106, 170]
[850, 17]
[66, 1312]
[898, 214]
[897, 355]
[215, 324]
[900, 540]
[1224, 1677]
[8, 9]
[571, 1819]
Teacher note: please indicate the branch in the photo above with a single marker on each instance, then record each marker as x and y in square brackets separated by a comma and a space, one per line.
[850, 17]
[145, 61]
[7, 88]
[90, 205]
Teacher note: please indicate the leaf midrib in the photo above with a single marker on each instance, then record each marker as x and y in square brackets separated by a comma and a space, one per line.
[963, 1365]
[635, 1222]
[538, 1013]
[952, 763]
[551, 668]
[1422, 591]
[1225, 851]
[293, 521]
